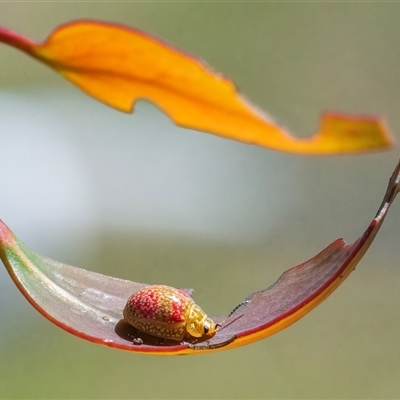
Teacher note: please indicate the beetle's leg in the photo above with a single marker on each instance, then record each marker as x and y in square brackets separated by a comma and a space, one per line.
[135, 340]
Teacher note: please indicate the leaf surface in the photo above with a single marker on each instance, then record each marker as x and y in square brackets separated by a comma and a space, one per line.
[119, 65]
[89, 305]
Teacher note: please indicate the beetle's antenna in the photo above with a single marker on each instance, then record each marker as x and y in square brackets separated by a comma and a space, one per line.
[212, 346]
[230, 322]
[243, 303]
[219, 325]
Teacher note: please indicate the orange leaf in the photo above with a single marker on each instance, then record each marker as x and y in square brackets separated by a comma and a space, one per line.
[119, 65]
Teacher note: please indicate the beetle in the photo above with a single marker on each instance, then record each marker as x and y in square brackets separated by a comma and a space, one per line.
[168, 313]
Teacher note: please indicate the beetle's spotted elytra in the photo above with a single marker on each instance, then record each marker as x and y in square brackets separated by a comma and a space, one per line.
[168, 313]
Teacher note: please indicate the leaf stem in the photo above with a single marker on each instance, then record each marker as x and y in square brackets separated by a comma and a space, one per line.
[15, 40]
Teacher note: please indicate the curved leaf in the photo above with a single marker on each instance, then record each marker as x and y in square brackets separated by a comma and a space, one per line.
[119, 65]
[89, 305]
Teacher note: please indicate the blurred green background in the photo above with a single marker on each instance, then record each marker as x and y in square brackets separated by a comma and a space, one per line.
[135, 197]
